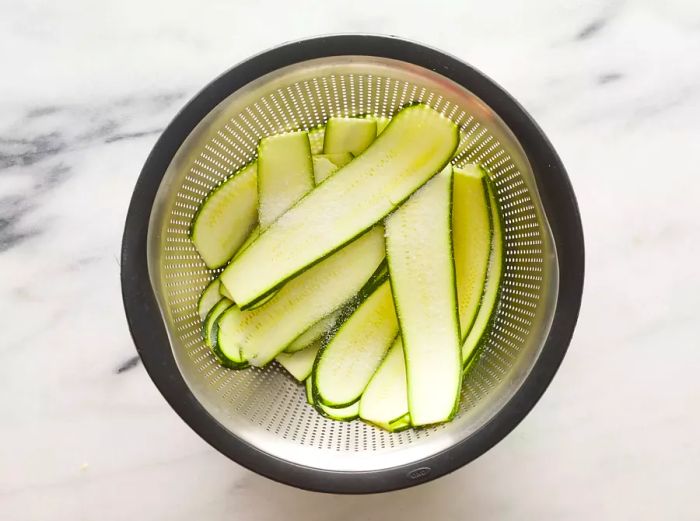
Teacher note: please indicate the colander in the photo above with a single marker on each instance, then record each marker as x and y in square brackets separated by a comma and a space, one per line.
[259, 417]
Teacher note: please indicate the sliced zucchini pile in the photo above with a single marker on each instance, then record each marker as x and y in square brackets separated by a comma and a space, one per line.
[360, 260]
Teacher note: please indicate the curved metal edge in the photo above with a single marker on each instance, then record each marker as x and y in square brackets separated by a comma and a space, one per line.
[148, 331]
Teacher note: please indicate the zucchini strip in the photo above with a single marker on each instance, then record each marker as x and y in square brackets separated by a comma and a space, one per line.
[347, 362]
[421, 270]
[487, 310]
[226, 217]
[471, 237]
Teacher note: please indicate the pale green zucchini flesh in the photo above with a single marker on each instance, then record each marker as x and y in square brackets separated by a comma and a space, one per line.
[384, 401]
[326, 165]
[209, 298]
[382, 122]
[211, 335]
[257, 303]
[261, 334]
[340, 159]
[301, 363]
[401, 424]
[251, 237]
[210, 322]
[487, 308]
[471, 237]
[421, 269]
[285, 174]
[352, 135]
[227, 348]
[348, 361]
[224, 292]
[314, 333]
[226, 217]
[414, 146]
[316, 139]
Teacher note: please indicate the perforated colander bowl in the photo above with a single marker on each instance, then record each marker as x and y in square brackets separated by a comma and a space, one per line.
[258, 417]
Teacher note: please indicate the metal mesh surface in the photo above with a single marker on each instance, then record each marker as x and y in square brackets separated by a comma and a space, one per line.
[266, 407]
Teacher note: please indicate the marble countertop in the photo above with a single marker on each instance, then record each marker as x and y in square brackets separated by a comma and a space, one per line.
[85, 89]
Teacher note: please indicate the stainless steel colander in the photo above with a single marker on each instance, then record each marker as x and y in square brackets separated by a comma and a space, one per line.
[259, 418]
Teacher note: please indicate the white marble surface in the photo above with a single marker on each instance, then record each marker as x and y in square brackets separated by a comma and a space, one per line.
[85, 88]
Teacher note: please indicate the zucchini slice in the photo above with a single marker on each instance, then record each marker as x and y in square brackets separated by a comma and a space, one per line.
[259, 335]
[224, 292]
[314, 333]
[326, 325]
[211, 335]
[226, 217]
[348, 361]
[327, 164]
[347, 413]
[340, 160]
[401, 424]
[228, 351]
[352, 135]
[210, 326]
[256, 304]
[471, 237]
[421, 270]
[251, 237]
[382, 122]
[285, 174]
[418, 142]
[384, 400]
[316, 139]
[301, 363]
[209, 298]
[487, 309]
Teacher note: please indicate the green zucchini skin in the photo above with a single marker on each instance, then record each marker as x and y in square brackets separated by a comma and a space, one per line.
[259, 302]
[401, 424]
[301, 363]
[309, 389]
[347, 413]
